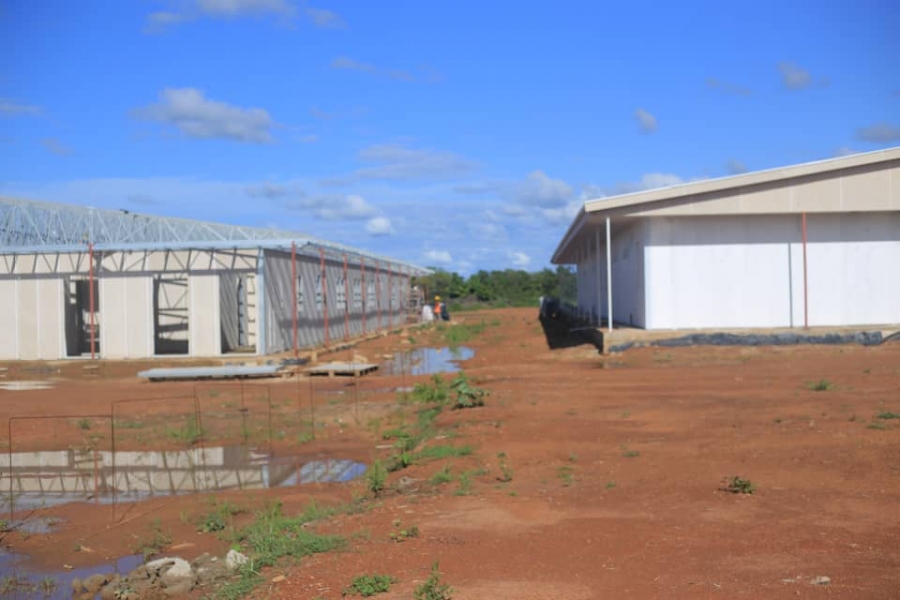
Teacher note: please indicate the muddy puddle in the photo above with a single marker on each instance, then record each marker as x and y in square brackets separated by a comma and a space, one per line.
[428, 361]
[43, 479]
[21, 581]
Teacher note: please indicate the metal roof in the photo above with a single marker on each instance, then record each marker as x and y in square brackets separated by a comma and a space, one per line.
[706, 189]
[33, 227]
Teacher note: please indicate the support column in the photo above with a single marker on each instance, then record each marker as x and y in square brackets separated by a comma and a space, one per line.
[346, 301]
[599, 287]
[609, 295]
[90, 295]
[294, 292]
[805, 281]
[324, 295]
[260, 303]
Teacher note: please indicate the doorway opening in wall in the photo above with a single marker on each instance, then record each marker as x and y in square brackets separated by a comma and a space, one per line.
[77, 308]
[237, 305]
[171, 316]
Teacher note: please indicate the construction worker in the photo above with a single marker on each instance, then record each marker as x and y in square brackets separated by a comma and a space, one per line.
[440, 310]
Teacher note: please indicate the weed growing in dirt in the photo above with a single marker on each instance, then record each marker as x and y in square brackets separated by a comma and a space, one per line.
[887, 415]
[305, 437]
[879, 425]
[823, 385]
[369, 585]
[441, 477]
[376, 477]
[433, 588]
[456, 335]
[439, 452]
[403, 534]
[273, 536]
[739, 485]
[157, 541]
[189, 433]
[506, 473]
[573, 458]
[566, 474]
[610, 485]
[629, 453]
[218, 518]
[465, 482]
[130, 424]
[84, 424]
[467, 396]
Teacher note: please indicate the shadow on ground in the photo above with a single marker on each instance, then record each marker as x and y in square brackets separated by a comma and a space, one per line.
[559, 335]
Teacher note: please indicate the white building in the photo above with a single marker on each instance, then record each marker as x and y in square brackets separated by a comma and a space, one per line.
[814, 244]
[81, 282]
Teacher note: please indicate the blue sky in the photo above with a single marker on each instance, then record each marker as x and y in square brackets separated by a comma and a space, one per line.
[463, 135]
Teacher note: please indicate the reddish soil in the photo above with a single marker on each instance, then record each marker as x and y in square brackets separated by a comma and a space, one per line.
[616, 462]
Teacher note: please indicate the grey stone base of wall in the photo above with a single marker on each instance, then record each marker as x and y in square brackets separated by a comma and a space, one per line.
[863, 338]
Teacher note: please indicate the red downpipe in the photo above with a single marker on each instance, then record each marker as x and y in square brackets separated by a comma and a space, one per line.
[346, 302]
[91, 292]
[805, 281]
[324, 294]
[294, 291]
[391, 319]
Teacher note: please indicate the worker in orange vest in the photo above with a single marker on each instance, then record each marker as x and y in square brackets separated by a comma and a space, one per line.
[440, 310]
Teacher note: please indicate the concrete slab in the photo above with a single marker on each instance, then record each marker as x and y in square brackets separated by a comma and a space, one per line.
[225, 372]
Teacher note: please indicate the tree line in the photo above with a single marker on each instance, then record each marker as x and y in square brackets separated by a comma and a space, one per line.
[509, 287]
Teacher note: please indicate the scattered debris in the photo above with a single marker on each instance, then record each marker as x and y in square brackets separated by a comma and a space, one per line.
[820, 580]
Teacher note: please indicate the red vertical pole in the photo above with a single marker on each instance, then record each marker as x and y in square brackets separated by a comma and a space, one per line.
[346, 302]
[91, 292]
[362, 291]
[378, 291]
[391, 295]
[805, 281]
[294, 292]
[324, 294]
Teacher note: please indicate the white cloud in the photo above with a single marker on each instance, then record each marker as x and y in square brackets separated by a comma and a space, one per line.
[335, 207]
[271, 190]
[398, 163]
[646, 120]
[795, 77]
[879, 133]
[234, 8]
[519, 260]
[542, 191]
[562, 215]
[55, 146]
[9, 106]
[426, 74]
[438, 257]
[324, 18]
[379, 226]
[192, 10]
[844, 151]
[735, 167]
[726, 87]
[195, 116]
[488, 230]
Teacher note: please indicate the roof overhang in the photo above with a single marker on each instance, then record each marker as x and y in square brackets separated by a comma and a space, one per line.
[698, 197]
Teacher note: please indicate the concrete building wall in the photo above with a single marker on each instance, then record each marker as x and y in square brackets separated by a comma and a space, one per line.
[204, 327]
[747, 271]
[125, 316]
[9, 324]
[628, 245]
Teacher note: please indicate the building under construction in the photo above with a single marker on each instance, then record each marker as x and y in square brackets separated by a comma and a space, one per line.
[84, 282]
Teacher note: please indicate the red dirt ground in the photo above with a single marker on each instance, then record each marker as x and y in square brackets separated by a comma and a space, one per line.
[617, 464]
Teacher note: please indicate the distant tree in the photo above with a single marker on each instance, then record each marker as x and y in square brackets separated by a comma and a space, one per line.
[509, 287]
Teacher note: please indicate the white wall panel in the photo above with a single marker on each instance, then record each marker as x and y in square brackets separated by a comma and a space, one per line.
[738, 272]
[204, 328]
[29, 319]
[9, 323]
[51, 344]
[113, 317]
